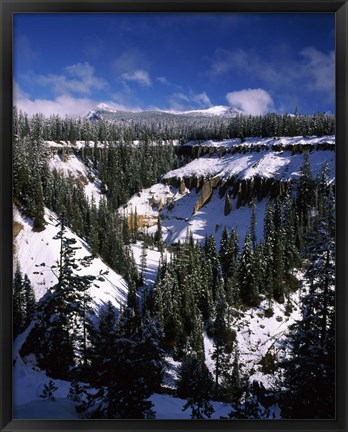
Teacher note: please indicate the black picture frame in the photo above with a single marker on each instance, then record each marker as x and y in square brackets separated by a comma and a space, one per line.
[7, 8]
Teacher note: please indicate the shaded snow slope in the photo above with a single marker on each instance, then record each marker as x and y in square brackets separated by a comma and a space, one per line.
[36, 248]
[259, 335]
[153, 256]
[72, 166]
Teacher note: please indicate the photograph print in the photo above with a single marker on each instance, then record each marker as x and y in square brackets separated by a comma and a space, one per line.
[174, 216]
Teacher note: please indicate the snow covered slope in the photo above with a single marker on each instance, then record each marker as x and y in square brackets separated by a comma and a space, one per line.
[175, 198]
[72, 166]
[263, 162]
[36, 252]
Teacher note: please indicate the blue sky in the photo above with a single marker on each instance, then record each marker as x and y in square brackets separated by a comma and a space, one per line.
[69, 63]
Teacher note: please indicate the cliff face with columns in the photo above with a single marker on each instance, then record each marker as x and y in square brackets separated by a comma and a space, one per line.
[245, 171]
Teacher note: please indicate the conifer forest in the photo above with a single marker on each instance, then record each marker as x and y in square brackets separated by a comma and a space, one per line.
[172, 266]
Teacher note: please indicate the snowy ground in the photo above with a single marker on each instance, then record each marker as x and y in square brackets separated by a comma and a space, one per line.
[257, 335]
[36, 252]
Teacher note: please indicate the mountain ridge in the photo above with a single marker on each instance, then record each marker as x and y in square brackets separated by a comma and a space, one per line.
[104, 111]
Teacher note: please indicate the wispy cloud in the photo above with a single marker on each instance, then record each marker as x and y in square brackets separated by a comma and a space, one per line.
[78, 78]
[64, 104]
[320, 68]
[312, 69]
[225, 61]
[24, 48]
[190, 100]
[130, 61]
[94, 48]
[139, 76]
[163, 80]
[251, 101]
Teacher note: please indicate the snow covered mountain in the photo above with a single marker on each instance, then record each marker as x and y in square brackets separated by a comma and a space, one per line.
[107, 112]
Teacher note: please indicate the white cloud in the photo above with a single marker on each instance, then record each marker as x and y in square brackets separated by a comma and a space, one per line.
[251, 101]
[62, 105]
[78, 78]
[140, 76]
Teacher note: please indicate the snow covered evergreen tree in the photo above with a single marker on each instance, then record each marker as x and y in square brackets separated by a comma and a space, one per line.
[195, 380]
[19, 314]
[248, 277]
[224, 342]
[24, 304]
[30, 302]
[61, 328]
[309, 371]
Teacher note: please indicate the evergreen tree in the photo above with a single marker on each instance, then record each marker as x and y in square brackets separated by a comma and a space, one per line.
[231, 283]
[224, 252]
[248, 407]
[223, 337]
[30, 302]
[61, 328]
[231, 382]
[212, 255]
[103, 334]
[248, 282]
[267, 283]
[279, 266]
[158, 234]
[291, 253]
[253, 225]
[19, 313]
[130, 385]
[143, 259]
[305, 193]
[195, 380]
[310, 369]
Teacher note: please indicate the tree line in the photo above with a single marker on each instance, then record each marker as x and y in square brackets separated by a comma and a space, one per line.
[170, 127]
